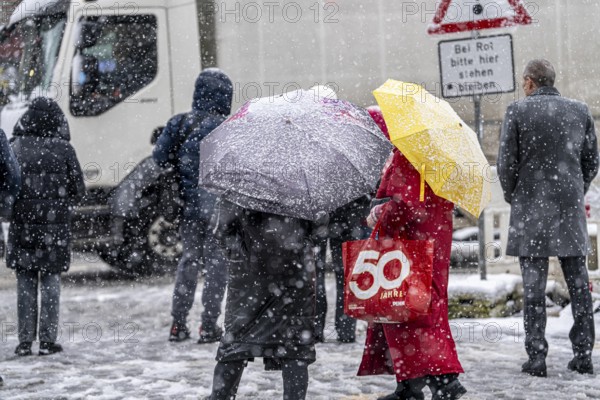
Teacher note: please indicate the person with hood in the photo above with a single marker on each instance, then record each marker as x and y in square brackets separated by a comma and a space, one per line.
[40, 234]
[178, 147]
[547, 159]
[270, 306]
[420, 352]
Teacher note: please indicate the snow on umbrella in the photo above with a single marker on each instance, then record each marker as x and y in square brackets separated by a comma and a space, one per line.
[437, 143]
[295, 155]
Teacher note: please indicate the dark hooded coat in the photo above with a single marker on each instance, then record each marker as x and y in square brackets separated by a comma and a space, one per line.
[52, 182]
[547, 159]
[270, 307]
[178, 146]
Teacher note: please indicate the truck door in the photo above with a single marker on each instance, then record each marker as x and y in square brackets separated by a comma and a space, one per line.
[119, 90]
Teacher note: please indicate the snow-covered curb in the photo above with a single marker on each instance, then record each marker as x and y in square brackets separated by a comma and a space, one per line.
[496, 288]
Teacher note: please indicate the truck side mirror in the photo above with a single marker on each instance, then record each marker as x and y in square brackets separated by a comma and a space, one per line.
[155, 134]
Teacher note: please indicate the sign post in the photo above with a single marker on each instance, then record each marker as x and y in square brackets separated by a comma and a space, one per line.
[482, 259]
[477, 66]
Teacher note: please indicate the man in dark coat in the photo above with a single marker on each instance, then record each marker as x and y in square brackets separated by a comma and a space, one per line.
[178, 147]
[547, 159]
[39, 236]
[270, 305]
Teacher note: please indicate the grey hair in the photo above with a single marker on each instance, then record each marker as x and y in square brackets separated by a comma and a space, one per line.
[541, 72]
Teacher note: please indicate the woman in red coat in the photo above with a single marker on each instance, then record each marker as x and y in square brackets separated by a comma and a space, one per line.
[421, 352]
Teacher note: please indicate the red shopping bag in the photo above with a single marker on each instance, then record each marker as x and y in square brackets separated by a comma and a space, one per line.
[388, 279]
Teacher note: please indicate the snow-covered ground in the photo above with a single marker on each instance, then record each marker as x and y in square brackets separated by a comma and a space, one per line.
[115, 337]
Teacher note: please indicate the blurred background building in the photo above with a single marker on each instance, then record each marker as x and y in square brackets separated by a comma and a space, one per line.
[270, 47]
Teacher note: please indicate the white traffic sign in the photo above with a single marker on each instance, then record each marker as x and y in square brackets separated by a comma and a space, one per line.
[483, 65]
[472, 15]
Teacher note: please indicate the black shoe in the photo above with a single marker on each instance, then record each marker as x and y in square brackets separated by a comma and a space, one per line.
[535, 367]
[23, 349]
[179, 333]
[583, 365]
[407, 391]
[452, 391]
[446, 387]
[210, 336]
[47, 348]
[346, 340]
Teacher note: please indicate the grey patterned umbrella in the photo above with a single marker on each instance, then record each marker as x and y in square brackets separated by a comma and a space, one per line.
[296, 155]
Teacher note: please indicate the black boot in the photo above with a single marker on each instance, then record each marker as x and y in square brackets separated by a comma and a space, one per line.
[226, 380]
[47, 348]
[209, 335]
[583, 365]
[535, 367]
[411, 389]
[23, 349]
[179, 332]
[1, 382]
[445, 387]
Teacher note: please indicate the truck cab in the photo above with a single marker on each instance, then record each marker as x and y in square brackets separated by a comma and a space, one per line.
[119, 72]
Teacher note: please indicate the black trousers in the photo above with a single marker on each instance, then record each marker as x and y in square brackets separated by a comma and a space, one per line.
[535, 275]
[227, 378]
[28, 283]
[344, 325]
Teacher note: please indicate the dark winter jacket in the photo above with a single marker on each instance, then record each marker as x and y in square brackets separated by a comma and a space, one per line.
[52, 182]
[10, 177]
[271, 291]
[179, 144]
[547, 159]
[348, 222]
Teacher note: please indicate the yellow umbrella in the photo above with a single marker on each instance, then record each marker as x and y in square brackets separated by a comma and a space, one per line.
[437, 143]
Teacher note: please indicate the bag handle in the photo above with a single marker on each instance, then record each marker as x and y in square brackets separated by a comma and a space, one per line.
[377, 227]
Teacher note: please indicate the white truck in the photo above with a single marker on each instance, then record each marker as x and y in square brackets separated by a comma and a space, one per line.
[119, 71]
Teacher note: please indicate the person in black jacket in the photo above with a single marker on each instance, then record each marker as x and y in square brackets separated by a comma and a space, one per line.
[178, 147]
[39, 234]
[270, 307]
[345, 224]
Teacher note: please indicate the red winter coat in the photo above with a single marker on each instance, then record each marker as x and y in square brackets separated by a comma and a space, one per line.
[426, 346]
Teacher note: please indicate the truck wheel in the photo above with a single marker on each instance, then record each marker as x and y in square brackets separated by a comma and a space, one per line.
[151, 246]
[164, 244]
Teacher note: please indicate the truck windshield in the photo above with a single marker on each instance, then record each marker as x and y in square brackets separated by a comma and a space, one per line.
[29, 51]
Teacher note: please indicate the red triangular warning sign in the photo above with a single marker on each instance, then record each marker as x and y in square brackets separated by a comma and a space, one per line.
[470, 15]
